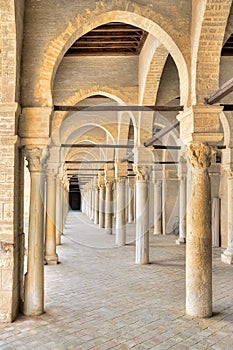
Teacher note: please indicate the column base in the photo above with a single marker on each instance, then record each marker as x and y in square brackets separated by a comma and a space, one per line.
[157, 233]
[181, 241]
[51, 260]
[227, 257]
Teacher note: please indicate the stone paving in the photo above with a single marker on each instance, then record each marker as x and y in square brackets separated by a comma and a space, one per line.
[98, 299]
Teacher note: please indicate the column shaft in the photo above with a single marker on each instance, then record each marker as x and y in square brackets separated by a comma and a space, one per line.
[158, 207]
[51, 257]
[58, 212]
[131, 202]
[182, 212]
[120, 212]
[34, 278]
[96, 216]
[108, 208]
[199, 239]
[227, 256]
[102, 206]
[142, 223]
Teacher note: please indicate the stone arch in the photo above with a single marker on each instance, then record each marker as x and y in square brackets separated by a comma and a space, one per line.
[154, 75]
[54, 53]
[81, 95]
[209, 36]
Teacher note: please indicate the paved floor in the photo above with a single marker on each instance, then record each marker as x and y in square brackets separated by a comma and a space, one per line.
[98, 299]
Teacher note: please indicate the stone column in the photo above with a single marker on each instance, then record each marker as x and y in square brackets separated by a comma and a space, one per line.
[96, 216]
[158, 207]
[131, 200]
[121, 172]
[101, 184]
[199, 238]
[182, 205]
[108, 207]
[109, 180]
[102, 206]
[58, 211]
[227, 255]
[34, 278]
[92, 201]
[51, 257]
[120, 212]
[142, 215]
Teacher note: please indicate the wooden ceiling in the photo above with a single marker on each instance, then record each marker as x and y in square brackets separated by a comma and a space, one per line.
[227, 49]
[111, 39]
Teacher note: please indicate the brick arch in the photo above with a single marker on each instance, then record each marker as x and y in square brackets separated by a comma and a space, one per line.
[83, 94]
[41, 91]
[154, 75]
[209, 36]
[72, 138]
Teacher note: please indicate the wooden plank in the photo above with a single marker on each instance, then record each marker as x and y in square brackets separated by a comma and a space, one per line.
[93, 145]
[162, 133]
[223, 91]
[89, 161]
[118, 108]
[166, 147]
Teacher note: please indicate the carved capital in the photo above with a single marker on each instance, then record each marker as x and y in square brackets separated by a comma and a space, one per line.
[200, 155]
[142, 173]
[36, 158]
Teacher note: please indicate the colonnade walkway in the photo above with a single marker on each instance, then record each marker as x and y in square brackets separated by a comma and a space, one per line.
[98, 298]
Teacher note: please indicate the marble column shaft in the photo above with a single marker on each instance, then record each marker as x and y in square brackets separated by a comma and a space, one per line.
[182, 211]
[58, 212]
[109, 207]
[142, 217]
[102, 206]
[227, 255]
[51, 257]
[120, 212]
[34, 278]
[199, 238]
[131, 201]
[96, 216]
[158, 207]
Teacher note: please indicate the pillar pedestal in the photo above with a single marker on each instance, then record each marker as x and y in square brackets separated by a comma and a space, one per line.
[34, 278]
[199, 238]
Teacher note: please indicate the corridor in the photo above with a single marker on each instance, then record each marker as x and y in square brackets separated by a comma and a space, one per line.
[98, 298]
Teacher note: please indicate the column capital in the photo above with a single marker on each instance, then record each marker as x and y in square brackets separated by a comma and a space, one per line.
[36, 157]
[200, 155]
[142, 173]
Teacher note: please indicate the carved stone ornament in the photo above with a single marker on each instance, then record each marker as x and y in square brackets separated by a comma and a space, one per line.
[200, 155]
[142, 173]
[35, 158]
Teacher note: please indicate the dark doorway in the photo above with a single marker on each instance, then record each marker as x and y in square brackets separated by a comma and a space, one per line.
[75, 197]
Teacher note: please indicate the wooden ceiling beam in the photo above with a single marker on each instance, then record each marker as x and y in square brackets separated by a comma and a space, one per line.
[118, 108]
[223, 91]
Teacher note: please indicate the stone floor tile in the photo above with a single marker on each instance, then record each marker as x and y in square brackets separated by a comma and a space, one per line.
[98, 299]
